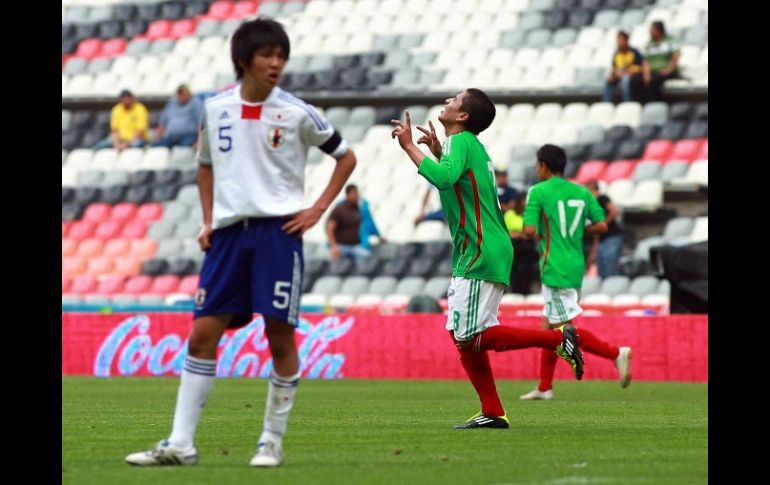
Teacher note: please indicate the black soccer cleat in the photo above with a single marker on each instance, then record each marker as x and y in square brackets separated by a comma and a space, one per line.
[569, 349]
[484, 421]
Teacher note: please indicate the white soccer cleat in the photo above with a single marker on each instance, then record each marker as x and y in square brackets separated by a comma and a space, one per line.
[538, 395]
[164, 453]
[623, 364]
[269, 454]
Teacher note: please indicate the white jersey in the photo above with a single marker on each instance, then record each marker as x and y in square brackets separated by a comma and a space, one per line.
[258, 153]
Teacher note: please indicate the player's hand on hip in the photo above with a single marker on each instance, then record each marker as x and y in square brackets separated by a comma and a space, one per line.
[430, 139]
[204, 238]
[403, 132]
[302, 221]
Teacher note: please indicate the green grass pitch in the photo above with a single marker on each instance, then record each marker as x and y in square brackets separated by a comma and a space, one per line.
[399, 432]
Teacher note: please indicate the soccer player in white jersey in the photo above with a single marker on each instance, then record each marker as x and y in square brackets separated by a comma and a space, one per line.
[252, 151]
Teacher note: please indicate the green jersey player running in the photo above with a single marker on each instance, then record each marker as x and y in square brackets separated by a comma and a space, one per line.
[557, 211]
[483, 254]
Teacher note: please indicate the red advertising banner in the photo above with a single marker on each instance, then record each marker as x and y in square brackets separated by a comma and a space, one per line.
[371, 346]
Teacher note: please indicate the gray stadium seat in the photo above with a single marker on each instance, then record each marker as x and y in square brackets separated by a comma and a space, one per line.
[162, 46]
[185, 229]
[76, 14]
[678, 226]
[524, 153]
[409, 41]
[436, 287]
[607, 19]
[75, 66]
[654, 113]
[99, 13]
[513, 39]
[698, 35]
[642, 250]
[354, 285]
[646, 171]
[320, 62]
[115, 177]
[290, 8]
[100, 65]
[590, 76]
[542, 5]
[564, 37]
[176, 211]
[362, 115]
[673, 170]
[229, 26]
[192, 250]
[381, 285]
[337, 115]
[531, 20]
[181, 156]
[643, 286]
[397, 60]
[385, 43]
[431, 77]
[405, 78]
[270, 9]
[327, 285]
[124, 300]
[169, 248]
[411, 285]
[161, 230]
[90, 178]
[207, 28]
[615, 285]
[354, 133]
[590, 134]
[188, 194]
[538, 38]
[591, 285]
[137, 47]
[66, 119]
[418, 113]
[631, 18]
[664, 288]
[422, 59]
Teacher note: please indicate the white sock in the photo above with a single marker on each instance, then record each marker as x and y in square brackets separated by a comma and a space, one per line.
[194, 388]
[280, 399]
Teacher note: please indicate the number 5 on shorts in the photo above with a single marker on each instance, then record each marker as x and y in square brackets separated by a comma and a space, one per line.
[281, 291]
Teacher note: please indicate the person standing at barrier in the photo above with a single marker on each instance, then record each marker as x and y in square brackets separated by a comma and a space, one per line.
[252, 152]
[557, 211]
[482, 256]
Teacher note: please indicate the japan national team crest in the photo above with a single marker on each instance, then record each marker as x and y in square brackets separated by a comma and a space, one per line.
[275, 137]
[200, 297]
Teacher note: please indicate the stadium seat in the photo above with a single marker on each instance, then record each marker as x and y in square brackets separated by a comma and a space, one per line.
[108, 229]
[354, 285]
[654, 113]
[619, 169]
[164, 285]
[110, 285]
[591, 170]
[80, 230]
[83, 284]
[381, 285]
[189, 284]
[134, 229]
[328, 285]
[658, 150]
[615, 285]
[686, 149]
[648, 195]
[89, 248]
[678, 226]
[643, 285]
[97, 213]
[182, 28]
[591, 285]
[99, 265]
[137, 285]
[159, 29]
[113, 48]
[630, 149]
[89, 48]
[674, 169]
[143, 248]
[647, 170]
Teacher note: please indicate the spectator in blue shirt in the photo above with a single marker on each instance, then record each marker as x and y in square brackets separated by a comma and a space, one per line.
[180, 120]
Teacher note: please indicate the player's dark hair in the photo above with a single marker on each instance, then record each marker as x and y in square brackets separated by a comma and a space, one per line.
[553, 157]
[659, 25]
[480, 109]
[623, 34]
[350, 188]
[254, 35]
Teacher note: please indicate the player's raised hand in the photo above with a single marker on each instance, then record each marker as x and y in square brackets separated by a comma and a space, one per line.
[403, 132]
[430, 139]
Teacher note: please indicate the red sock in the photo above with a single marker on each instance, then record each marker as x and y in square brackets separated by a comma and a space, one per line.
[501, 338]
[591, 343]
[548, 360]
[476, 365]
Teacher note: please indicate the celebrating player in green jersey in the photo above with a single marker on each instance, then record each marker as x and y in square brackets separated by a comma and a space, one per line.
[483, 253]
[557, 210]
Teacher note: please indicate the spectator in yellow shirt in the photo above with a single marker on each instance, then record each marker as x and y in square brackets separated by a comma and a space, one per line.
[524, 269]
[129, 123]
[626, 61]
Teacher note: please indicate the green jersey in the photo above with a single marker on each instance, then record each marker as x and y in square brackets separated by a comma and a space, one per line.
[465, 179]
[559, 209]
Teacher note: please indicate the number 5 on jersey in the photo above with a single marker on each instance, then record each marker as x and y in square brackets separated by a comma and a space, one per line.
[225, 140]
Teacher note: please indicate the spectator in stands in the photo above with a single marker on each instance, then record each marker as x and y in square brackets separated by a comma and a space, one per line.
[626, 62]
[368, 226]
[429, 214]
[343, 228]
[661, 62]
[179, 120]
[129, 123]
[608, 247]
[505, 192]
[524, 250]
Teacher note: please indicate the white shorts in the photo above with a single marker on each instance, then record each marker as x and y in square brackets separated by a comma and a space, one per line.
[473, 306]
[560, 305]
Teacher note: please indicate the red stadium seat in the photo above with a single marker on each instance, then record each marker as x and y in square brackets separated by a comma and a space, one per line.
[108, 230]
[89, 48]
[686, 150]
[97, 212]
[65, 228]
[704, 150]
[182, 28]
[110, 284]
[117, 247]
[69, 247]
[81, 230]
[658, 149]
[159, 29]
[84, 284]
[189, 284]
[134, 230]
[220, 10]
[114, 47]
[591, 170]
[151, 211]
[123, 212]
[66, 283]
[244, 8]
[127, 266]
[100, 265]
[138, 284]
[619, 169]
[144, 249]
[91, 247]
[164, 285]
[73, 266]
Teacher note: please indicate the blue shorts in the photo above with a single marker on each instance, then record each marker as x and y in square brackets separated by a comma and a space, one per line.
[253, 266]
